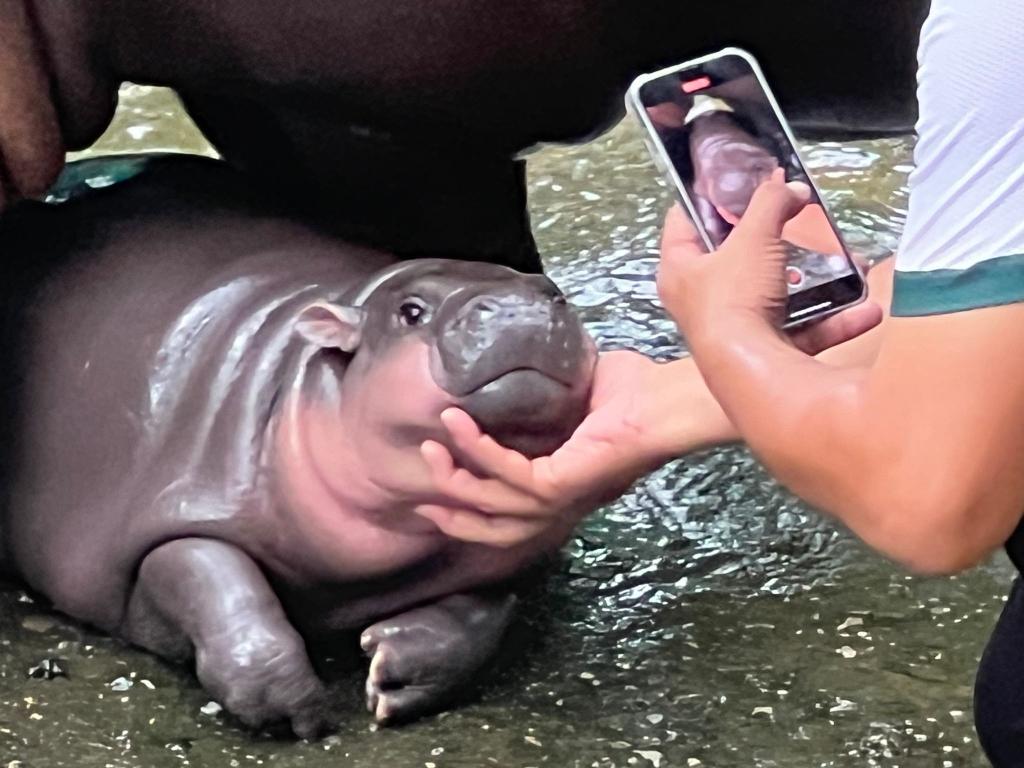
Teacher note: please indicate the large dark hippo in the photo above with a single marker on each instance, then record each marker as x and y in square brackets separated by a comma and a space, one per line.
[402, 119]
[212, 419]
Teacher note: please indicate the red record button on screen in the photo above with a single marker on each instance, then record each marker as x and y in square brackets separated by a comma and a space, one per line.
[698, 84]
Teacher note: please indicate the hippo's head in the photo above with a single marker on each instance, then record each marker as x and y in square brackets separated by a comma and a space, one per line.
[426, 334]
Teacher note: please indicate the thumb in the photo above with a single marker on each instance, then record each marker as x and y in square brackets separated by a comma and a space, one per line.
[774, 203]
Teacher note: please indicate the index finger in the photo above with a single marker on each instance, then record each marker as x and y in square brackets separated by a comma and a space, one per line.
[491, 458]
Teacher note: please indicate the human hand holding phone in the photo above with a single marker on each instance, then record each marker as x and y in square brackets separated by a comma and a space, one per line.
[744, 283]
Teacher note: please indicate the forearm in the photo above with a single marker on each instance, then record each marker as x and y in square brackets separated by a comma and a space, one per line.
[686, 416]
[803, 417]
[694, 420]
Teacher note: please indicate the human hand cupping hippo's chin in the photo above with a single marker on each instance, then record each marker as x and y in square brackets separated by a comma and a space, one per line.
[642, 414]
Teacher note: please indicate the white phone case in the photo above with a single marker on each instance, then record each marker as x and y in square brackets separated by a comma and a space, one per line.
[664, 163]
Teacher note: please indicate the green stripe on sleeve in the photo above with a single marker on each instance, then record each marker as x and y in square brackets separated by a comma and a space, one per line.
[988, 283]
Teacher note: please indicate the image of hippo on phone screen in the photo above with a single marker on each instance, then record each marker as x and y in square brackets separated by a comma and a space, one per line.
[722, 136]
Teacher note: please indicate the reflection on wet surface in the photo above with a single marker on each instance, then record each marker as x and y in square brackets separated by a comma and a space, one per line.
[706, 619]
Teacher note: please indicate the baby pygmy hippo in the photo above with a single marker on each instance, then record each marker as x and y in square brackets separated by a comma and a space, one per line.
[215, 415]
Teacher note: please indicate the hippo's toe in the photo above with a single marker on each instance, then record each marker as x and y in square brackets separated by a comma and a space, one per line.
[399, 687]
[422, 660]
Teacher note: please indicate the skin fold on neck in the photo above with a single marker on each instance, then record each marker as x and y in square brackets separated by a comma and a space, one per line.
[330, 495]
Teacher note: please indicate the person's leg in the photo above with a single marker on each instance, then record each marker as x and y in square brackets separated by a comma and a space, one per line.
[999, 688]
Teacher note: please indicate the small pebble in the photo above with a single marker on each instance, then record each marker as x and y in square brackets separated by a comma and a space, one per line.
[48, 669]
[853, 621]
[38, 623]
[211, 708]
[121, 684]
[842, 705]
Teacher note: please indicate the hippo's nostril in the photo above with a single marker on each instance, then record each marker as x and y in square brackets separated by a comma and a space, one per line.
[486, 310]
[559, 300]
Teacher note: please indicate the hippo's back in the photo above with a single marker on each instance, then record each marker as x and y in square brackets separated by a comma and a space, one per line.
[146, 331]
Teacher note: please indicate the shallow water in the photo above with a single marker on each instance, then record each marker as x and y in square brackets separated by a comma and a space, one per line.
[706, 619]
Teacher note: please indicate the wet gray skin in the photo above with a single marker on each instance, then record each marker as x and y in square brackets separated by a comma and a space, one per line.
[706, 616]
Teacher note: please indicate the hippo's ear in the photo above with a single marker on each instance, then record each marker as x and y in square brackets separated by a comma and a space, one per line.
[331, 326]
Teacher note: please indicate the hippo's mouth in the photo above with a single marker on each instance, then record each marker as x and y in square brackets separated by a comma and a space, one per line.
[525, 376]
[527, 409]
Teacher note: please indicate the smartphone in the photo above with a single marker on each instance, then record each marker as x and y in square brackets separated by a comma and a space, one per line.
[715, 129]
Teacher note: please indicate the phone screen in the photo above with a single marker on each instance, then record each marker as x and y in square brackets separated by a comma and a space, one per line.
[718, 128]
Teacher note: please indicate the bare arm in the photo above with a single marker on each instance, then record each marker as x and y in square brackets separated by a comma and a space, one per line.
[921, 455]
[920, 451]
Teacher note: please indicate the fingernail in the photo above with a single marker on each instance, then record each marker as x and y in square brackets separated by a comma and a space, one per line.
[432, 513]
[449, 414]
[800, 189]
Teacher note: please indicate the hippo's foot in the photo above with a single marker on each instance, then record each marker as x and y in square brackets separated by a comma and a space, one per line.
[423, 659]
[209, 599]
[263, 679]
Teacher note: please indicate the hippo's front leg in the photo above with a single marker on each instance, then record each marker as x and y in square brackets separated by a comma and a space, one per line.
[422, 659]
[208, 599]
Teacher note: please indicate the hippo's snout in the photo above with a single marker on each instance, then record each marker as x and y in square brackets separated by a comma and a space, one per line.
[519, 361]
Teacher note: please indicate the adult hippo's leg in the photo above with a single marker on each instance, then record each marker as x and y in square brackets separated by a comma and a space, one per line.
[208, 599]
[410, 192]
[399, 120]
[423, 659]
[31, 146]
[57, 91]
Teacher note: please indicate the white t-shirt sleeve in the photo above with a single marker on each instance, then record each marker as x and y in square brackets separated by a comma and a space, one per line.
[963, 246]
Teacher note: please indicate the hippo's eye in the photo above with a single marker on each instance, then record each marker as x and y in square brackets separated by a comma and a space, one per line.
[413, 312]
